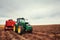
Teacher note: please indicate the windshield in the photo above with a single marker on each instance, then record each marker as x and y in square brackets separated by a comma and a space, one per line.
[22, 20]
[28, 24]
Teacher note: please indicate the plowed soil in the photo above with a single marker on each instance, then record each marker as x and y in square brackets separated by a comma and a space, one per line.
[40, 32]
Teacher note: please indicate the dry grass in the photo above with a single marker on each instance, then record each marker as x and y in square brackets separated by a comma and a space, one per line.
[1, 27]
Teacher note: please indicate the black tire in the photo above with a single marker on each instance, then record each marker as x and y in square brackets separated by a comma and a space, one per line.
[5, 29]
[16, 31]
[31, 31]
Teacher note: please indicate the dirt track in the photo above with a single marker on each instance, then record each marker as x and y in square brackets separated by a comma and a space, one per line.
[10, 35]
[36, 35]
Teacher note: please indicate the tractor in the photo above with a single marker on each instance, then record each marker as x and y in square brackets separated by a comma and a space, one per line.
[22, 26]
[9, 25]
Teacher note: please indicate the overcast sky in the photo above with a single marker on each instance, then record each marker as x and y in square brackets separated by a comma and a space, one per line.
[36, 11]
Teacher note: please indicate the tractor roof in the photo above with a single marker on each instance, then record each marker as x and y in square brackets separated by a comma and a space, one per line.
[20, 18]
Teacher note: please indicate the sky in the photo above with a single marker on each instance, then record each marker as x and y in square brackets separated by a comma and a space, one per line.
[36, 11]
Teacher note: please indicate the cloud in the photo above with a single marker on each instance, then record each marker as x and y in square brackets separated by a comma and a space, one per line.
[36, 11]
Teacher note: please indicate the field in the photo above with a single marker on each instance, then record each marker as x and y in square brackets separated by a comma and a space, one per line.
[40, 32]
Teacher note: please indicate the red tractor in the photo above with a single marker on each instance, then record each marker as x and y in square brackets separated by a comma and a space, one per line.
[9, 25]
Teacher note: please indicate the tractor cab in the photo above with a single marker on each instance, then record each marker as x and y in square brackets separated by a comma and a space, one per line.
[20, 21]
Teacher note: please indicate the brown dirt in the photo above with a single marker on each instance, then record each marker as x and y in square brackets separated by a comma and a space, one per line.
[40, 32]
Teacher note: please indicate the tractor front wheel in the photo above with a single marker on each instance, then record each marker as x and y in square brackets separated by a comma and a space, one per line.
[14, 28]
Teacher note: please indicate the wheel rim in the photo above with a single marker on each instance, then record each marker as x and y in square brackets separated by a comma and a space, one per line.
[19, 30]
[14, 28]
